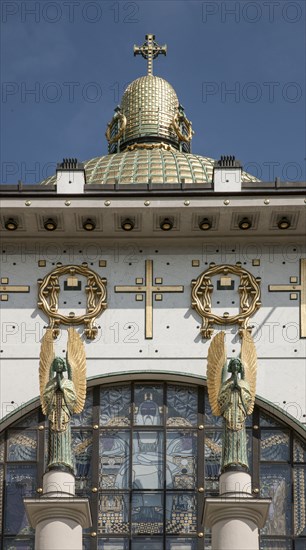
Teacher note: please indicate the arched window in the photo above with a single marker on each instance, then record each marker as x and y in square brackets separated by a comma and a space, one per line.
[146, 454]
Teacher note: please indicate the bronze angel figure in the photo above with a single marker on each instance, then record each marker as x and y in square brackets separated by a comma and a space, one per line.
[232, 398]
[62, 396]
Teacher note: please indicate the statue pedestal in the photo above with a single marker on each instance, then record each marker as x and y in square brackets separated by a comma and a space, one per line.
[58, 516]
[235, 516]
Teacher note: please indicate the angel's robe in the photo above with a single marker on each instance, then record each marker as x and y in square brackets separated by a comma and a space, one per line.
[60, 404]
[234, 404]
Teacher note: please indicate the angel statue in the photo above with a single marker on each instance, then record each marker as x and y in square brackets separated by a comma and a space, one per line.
[233, 397]
[60, 396]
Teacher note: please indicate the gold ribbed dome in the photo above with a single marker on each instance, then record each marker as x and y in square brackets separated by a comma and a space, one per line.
[144, 165]
[149, 136]
[150, 112]
[149, 105]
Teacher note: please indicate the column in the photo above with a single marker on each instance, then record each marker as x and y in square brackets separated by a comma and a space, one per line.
[235, 516]
[58, 516]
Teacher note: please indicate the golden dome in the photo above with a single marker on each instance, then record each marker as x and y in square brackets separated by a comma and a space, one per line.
[149, 136]
[150, 111]
[154, 165]
[149, 105]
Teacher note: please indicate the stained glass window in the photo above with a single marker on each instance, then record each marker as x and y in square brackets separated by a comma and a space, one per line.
[181, 544]
[212, 452]
[18, 544]
[182, 406]
[210, 419]
[148, 468]
[181, 513]
[299, 450]
[82, 449]
[275, 544]
[181, 460]
[113, 544]
[148, 408]
[145, 543]
[2, 447]
[299, 498]
[147, 513]
[29, 421]
[142, 450]
[21, 446]
[274, 445]
[114, 459]
[113, 514]
[267, 421]
[275, 484]
[1, 492]
[85, 417]
[115, 406]
[20, 483]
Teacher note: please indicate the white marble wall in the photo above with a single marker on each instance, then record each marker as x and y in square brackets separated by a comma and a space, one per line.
[177, 345]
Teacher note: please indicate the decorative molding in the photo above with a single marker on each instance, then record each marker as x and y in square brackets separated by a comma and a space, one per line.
[202, 289]
[47, 509]
[160, 145]
[219, 509]
[95, 289]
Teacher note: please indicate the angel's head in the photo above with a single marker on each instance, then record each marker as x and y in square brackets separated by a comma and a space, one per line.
[59, 365]
[235, 366]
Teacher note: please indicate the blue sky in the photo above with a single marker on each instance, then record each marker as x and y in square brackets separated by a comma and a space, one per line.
[238, 68]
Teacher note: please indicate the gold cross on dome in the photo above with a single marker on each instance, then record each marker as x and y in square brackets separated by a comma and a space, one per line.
[5, 288]
[148, 289]
[294, 288]
[150, 50]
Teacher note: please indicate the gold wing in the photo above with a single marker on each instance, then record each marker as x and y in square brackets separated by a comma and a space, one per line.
[45, 361]
[76, 359]
[216, 360]
[249, 362]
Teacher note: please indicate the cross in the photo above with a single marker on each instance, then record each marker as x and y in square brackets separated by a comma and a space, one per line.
[294, 288]
[150, 50]
[148, 289]
[5, 287]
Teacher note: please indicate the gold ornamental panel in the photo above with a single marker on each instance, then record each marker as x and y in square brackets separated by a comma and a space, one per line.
[202, 289]
[95, 289]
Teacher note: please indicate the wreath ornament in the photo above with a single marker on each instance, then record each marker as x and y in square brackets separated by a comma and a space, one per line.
[120, 120]
[179, 119]
[249, 291]
[48, 299]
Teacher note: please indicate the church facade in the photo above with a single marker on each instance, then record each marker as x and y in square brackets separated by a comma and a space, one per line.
[148, 252]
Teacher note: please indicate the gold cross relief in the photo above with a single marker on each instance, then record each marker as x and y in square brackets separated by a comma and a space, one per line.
[5, 289]
[147, 290]
[294, 288]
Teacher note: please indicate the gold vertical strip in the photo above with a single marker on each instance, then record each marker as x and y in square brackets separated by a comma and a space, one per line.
[149, 299]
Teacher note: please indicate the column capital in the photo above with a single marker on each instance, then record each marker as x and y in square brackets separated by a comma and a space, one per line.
[218, 509]
[73, 508]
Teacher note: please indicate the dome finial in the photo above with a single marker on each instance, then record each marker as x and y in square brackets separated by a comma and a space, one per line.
[150, 50]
